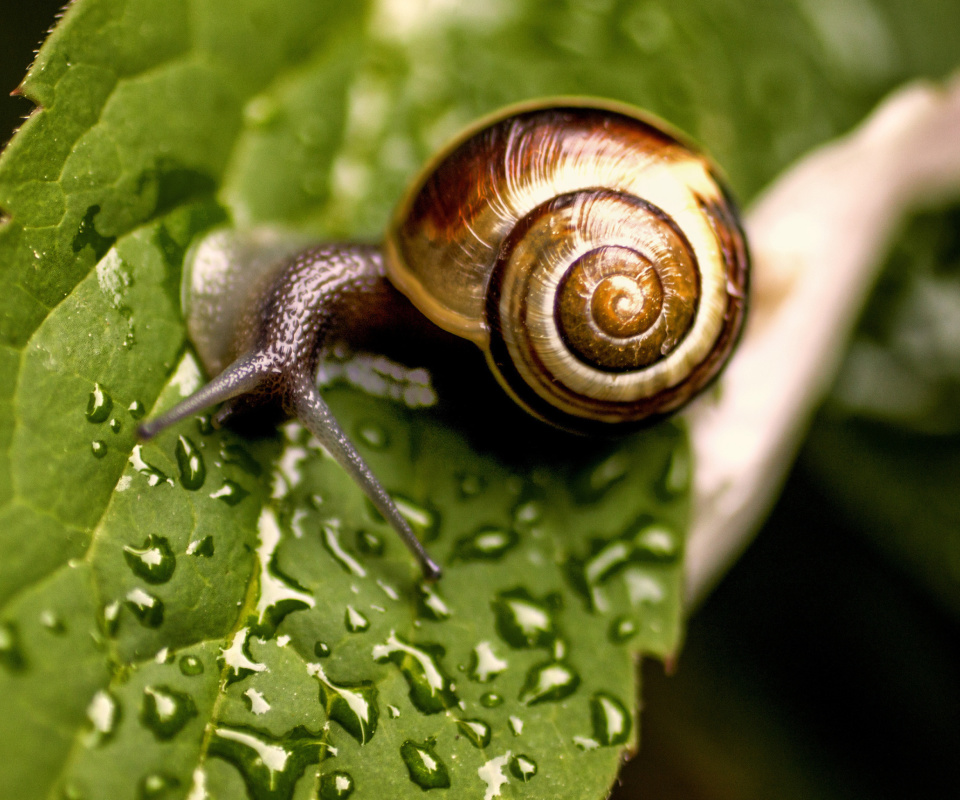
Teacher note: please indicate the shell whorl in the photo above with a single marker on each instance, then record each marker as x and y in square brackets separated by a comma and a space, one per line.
[593, 256]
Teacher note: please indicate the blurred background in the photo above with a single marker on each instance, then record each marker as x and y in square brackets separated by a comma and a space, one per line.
[827, 662]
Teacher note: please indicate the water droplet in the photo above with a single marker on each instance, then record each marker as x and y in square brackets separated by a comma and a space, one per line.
[527, 513]
[153, 475]
[201, 547]
[484, 663]
[116, 425]
[191, 666]
[644, 541]
[425, 767]
[431, 690]
[193, 472]
[147, 608]
[354, 621]
[103, 714]
[548, 683]
[256, 702]
[393, 711]
[336, 785]
[486, 544]
[594, 483]
[321, 650]
[491, 700]
[237, 657]
[516, 725]
[353, 706]
[110, 618]
[136, 409]
[656, 543]
[586, 743]
[279, 595]
[98, 447]
[238, 456]
[156, 786]
[611, 720]
[374, 435]
[204, 425]
[523, 767]
[491, 773]
[523, 621]
[165, 711]
[270, 767]
[231, 493]
[370, 543]
[99, 404]
[153, 561]
[11, 656]
[675, 479]
[430, 605]
[471, 485]
[622, 629]
[330, 536]
[476, 730]
[52, 622]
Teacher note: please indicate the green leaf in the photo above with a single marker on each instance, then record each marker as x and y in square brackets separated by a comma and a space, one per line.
[250, 626]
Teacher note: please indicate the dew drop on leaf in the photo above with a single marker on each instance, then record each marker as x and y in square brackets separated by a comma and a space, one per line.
[201, 547]
[238, 456]
[374, 435]
[103, 714]
[611, 720]
[522, 621]
[116, 425]
[147, 608]
[549, 682]
[330, 536]
[354, 621]
[153, 561]
[431, 689]
[485, 665]
[622, 629]
[270, 767]
[321, 649]
[425, 767]
[110, 617]
[486, 544]
[157, 786]
[430, 605]
[523, 767]
[336, 785]
[136, 409]
[370, 543]
[98, 448]
[476, 731]
[52, 622]
[354, 705]
[471, 485]
[231, 493]
[11, 655]
[516, 725]
[165, 711]
[491, 700]
[99, 405]
[193, 472]
[191, 666]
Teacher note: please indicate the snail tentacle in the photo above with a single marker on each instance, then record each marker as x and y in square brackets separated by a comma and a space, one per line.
[316, 417]
[288, 328]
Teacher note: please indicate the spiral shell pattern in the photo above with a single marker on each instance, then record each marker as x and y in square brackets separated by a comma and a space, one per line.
[594, 257]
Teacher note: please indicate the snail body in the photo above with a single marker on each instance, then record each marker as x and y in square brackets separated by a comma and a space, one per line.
[594, 257]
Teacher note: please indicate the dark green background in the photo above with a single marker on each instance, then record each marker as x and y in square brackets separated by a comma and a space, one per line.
[818, 668]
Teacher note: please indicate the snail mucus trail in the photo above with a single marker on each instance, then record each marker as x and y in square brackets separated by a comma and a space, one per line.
[593, 257]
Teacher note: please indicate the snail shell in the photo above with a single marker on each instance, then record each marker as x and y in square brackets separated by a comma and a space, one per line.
[594, 257]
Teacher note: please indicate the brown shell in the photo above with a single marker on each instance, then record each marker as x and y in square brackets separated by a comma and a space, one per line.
[570, 210]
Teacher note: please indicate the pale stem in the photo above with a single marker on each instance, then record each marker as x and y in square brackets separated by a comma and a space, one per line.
[818, 236]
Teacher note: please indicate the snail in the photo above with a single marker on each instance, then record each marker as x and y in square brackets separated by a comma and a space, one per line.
[593, 256]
